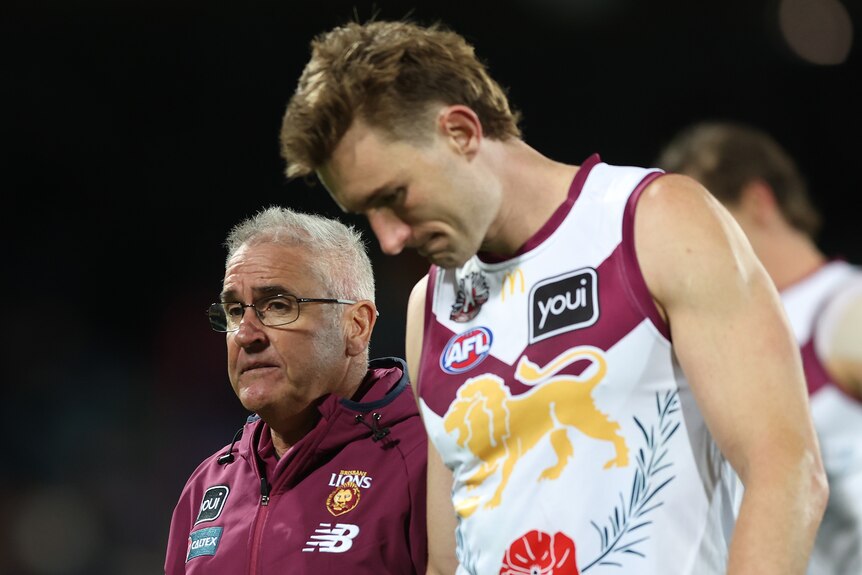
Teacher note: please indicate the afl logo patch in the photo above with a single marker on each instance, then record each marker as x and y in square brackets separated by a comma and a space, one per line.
[466, 350]
[213, 503]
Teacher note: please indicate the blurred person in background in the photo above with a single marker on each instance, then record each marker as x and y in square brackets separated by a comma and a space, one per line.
[596, 349]
[762, 187]
[328, 473]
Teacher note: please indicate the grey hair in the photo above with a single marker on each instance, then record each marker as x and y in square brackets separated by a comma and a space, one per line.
[339, 255]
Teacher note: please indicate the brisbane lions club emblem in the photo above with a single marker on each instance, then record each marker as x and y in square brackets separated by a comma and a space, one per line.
[343, 499]
[472, 293]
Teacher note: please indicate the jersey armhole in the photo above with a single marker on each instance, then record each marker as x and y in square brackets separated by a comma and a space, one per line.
[635, 283]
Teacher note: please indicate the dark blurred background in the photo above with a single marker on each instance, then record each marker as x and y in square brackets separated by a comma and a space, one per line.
[138, 132]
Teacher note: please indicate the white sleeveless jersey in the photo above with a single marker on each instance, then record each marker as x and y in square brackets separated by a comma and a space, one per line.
[812, 306]
[550, 388]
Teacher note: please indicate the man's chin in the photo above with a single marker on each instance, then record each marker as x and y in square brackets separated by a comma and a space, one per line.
[446, 260]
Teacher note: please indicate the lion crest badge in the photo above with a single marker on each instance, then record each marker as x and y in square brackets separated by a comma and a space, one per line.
[343, 498]
[472, 292]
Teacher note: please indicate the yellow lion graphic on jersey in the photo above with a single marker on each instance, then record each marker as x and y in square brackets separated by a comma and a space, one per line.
[499, 429]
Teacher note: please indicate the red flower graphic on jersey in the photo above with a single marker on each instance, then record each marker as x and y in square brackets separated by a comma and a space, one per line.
[537, 553]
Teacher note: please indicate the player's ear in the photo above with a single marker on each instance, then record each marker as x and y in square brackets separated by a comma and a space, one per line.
[461, 126]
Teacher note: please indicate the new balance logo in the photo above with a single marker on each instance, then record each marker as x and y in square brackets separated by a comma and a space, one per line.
[328, 539]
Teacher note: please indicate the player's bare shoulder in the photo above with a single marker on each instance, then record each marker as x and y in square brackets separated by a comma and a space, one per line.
[684, 236]
[673, 194]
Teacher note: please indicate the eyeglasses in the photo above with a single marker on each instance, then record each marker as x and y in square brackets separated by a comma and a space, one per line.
[272, 311]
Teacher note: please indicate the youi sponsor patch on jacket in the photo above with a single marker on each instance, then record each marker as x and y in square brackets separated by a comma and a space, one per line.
[203, 542]
[212, 503]
[466, 350]
[564, 303]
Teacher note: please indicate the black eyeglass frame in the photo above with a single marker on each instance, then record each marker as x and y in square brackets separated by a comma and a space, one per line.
[221, 316]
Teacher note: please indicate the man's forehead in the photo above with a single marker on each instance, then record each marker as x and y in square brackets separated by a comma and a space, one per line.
[268, 258]
[361, 165]
[355, 191]
[285, 272]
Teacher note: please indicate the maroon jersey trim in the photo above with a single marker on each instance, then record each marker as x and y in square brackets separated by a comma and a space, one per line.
[639, 291]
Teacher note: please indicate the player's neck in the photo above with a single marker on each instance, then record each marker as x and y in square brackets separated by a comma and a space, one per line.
[789, 258]
[533, 187]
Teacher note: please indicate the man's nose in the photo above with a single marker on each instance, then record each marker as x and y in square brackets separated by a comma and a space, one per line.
[392, 233]
[250, 328]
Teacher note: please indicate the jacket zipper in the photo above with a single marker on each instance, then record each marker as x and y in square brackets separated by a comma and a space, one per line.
[262, 511]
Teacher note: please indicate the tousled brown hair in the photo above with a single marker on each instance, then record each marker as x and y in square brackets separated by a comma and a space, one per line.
[389, 74]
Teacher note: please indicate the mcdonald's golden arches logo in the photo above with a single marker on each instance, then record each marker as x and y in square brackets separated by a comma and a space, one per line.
[514, 280]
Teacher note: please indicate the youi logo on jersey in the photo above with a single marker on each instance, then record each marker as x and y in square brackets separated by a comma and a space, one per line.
[564, 303]
[466, 350]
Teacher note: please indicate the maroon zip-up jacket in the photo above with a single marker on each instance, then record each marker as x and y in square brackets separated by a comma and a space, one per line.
[347, 498]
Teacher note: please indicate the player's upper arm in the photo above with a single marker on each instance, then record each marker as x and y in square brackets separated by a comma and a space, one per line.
[729, 330]
[442, 521]
[441, 514]
[415, 329]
